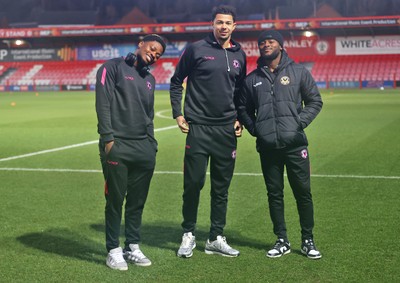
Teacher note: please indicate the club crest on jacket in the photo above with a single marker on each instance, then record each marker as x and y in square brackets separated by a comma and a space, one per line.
[285, 80]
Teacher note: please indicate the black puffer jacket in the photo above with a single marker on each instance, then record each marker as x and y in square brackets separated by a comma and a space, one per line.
[277, 107]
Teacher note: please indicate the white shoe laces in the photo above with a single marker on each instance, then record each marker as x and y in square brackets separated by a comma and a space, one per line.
[118, 257]
[186, 241]
[223, 244]
[138, 254]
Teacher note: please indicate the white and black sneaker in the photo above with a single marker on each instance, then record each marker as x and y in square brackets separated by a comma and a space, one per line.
[220, 247]
[309, 249]
[136, 256]
[280, 248]
[187, 245]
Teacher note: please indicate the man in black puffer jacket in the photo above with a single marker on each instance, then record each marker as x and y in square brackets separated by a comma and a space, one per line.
[277, 102]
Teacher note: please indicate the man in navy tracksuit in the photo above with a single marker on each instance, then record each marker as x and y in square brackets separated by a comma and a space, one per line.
[278, 101]
[215, 68]
[125, 112]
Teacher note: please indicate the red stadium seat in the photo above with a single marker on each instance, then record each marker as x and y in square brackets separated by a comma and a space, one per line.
[333, 68]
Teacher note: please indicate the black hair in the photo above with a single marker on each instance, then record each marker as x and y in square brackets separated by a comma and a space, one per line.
[155, 37]
[225, 10]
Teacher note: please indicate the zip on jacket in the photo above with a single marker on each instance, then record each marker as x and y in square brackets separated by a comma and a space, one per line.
[276, 110]
[124, 96]
[214, 77]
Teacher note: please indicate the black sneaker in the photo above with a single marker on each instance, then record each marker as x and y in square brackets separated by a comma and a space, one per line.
[280, 248]
[309, 249]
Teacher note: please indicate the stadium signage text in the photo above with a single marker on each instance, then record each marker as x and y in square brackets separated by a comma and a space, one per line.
[14, 33]
[298, 43]
[359, 23]
[60, 31]
[296, 46]
[43, 54]
[368, 45]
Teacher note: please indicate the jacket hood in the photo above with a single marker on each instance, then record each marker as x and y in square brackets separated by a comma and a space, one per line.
[213, 42]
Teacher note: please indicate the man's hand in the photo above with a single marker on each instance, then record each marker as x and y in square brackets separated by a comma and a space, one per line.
[238, 129]
[108, 146]
[182, 124]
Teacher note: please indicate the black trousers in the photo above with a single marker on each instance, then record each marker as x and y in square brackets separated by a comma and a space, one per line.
[297, 165]
[128, 169]
[216, 144]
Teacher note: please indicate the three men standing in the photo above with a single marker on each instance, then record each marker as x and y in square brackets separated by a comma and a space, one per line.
[275, 102]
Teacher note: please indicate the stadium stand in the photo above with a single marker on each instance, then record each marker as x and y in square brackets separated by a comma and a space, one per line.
[70, 73]
[27, 15]
[348, 68]
[52, 73]
[164, 69]
[356, 68]
[334, 68]
[73, 72]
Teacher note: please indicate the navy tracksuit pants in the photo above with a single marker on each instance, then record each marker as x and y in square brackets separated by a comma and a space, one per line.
[204, 144]
[297, 165]
[128, 169]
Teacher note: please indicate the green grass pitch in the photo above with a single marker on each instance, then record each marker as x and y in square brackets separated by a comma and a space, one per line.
[52, 202]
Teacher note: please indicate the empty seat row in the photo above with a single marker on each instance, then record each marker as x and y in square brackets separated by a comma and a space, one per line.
[323, 68]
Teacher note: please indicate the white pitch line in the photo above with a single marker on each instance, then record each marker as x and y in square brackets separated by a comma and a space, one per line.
[166, 128]
[180, 173]
[356, 176]
[51, 170]
[69, 146]
[161, 115]
[47, 151]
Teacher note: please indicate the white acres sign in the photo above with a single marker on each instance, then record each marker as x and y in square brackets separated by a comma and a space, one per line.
[359, 45]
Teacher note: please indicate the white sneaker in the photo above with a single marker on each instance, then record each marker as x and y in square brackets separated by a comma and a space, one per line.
[115, 259]
[136, 256]
[187, 245]
[220, 247]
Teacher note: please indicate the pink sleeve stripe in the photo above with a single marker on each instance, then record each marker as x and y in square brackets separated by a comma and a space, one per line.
[103, 76]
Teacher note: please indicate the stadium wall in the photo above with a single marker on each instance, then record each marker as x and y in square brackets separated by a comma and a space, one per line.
[335, 62]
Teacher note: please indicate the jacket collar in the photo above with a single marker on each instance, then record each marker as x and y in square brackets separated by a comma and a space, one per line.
[285, 60]
[235, 46]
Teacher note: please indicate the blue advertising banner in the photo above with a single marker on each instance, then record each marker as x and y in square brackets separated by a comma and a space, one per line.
[377, 84]
[104, 52]
[321, 84]
[174, 49]
[344, 84]
[109, 51]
